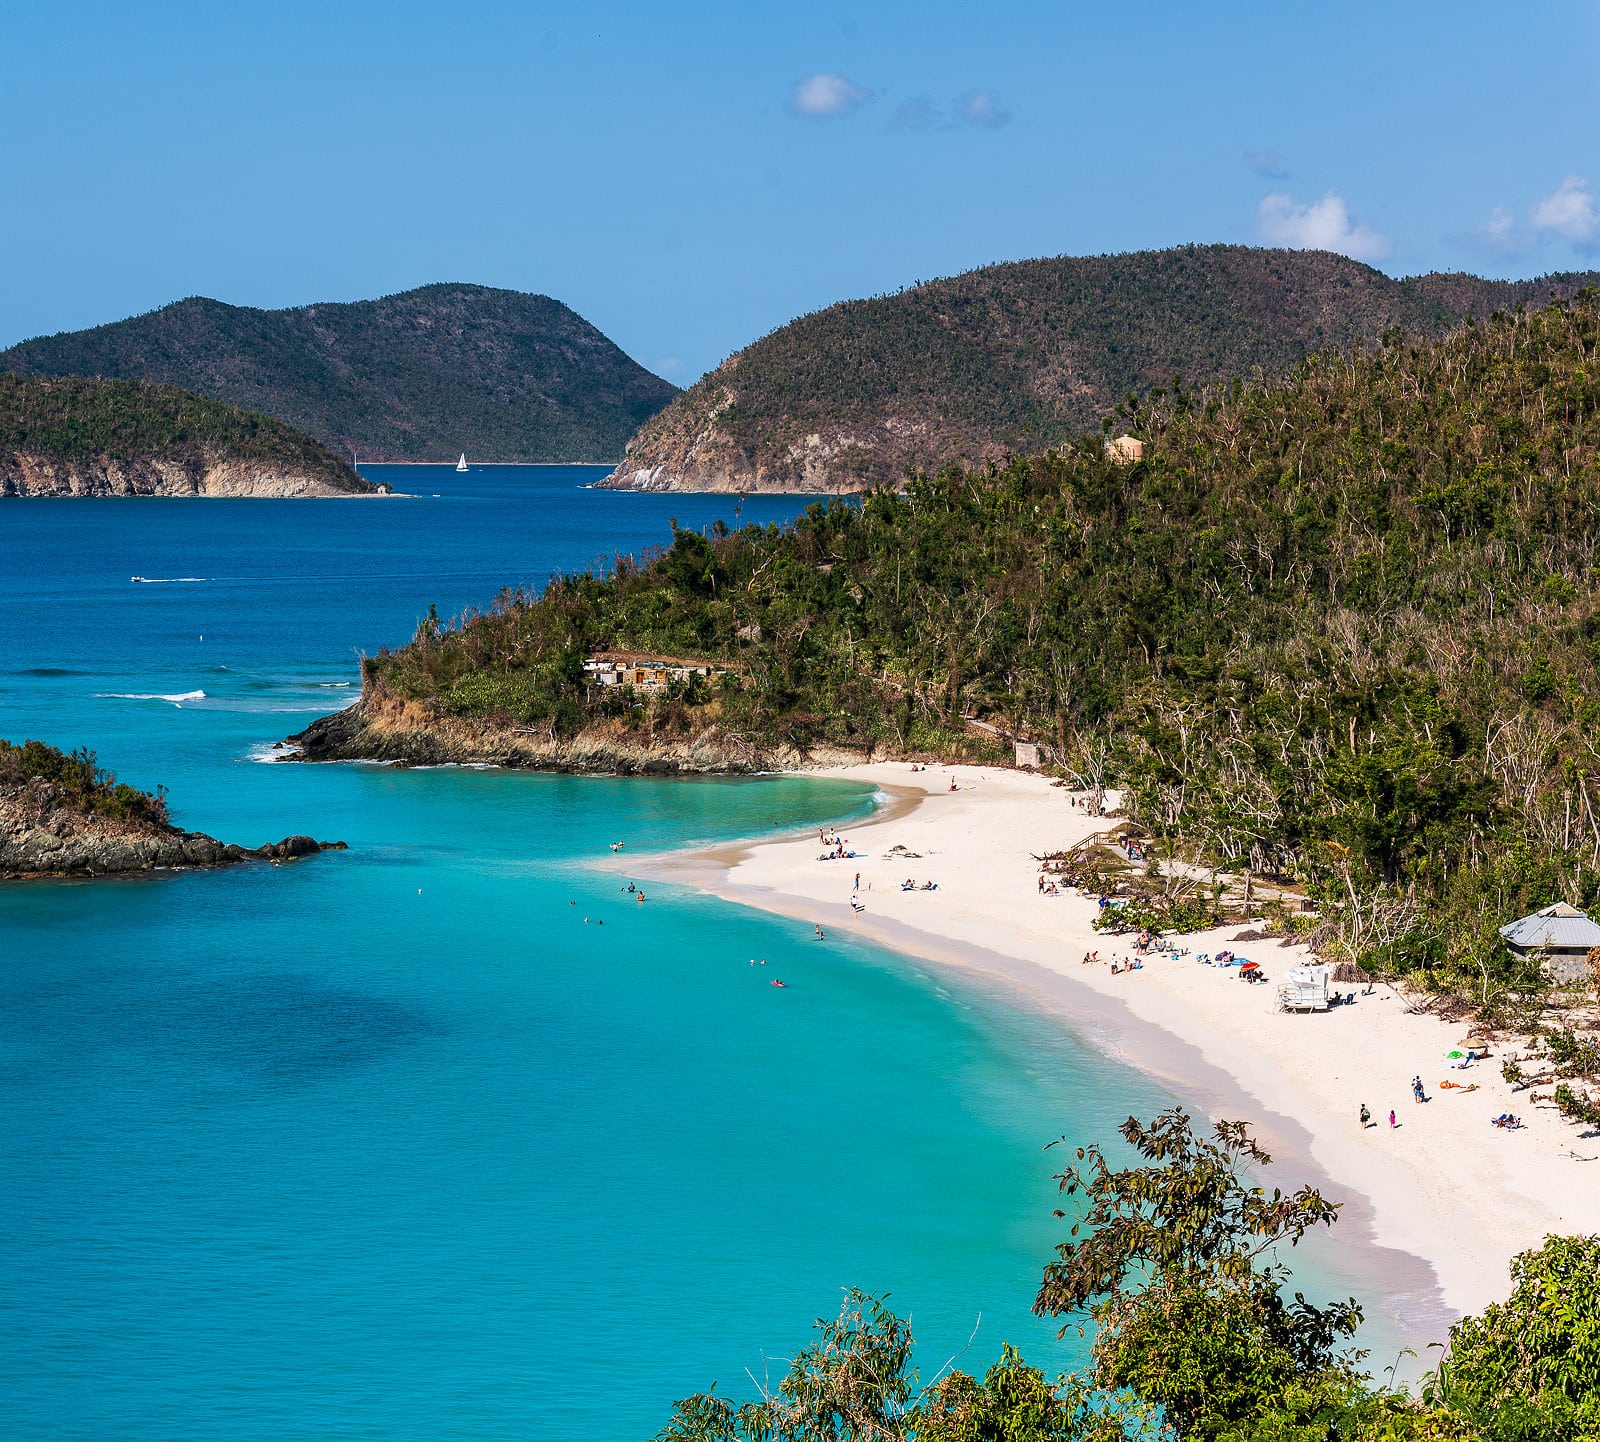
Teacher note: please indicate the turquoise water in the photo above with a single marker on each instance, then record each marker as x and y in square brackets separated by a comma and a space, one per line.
[445, 1136]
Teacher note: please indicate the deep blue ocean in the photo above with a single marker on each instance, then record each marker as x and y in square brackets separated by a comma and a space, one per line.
[443, 1136]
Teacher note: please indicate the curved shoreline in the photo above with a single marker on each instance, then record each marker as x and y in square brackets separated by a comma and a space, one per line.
[1435, 1208]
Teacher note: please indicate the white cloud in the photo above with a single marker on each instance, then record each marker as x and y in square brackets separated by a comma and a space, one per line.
[1497, 229]
[823, 94]
[1268, 164]
[1499, 232]
[978, 107]
[1324, 225]
[1570, 212]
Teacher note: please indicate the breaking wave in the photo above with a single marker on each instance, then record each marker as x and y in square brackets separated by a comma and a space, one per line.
[175, 697]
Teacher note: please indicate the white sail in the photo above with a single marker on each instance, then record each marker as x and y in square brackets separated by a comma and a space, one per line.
[461, 465]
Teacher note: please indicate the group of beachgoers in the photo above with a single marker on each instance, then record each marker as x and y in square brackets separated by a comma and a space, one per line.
[1507, 1121]
[835, 847]
[1119, 964]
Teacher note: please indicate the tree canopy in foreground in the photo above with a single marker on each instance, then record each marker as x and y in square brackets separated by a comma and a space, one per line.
[1175, 1260]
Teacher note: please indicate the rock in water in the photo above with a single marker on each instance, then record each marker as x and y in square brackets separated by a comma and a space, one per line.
[60, 815]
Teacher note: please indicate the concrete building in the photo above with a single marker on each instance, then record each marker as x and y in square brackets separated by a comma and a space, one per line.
[645, 673]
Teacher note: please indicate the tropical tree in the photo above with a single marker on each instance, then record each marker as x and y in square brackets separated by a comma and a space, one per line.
[1533, 1361]
[1176, 1263]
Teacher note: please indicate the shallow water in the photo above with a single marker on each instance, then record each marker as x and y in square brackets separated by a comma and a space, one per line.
[447, 1135]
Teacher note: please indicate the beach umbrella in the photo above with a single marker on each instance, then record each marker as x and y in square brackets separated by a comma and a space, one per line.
[1251, 966]
[1457, 1053]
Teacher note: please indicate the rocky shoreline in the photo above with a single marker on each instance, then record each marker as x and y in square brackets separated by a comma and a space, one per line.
[405, 733]
[24, 473]
[44, 833]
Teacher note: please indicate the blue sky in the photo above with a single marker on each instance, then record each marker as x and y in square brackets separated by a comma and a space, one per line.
[690, 176]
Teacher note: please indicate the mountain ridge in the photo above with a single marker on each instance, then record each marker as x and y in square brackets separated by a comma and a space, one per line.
[1012, 358]
[419, 375]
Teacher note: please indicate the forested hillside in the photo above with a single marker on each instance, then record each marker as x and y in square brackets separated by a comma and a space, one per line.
[1342, 625]
[77, 436]
[1013, 358]
[422, 375]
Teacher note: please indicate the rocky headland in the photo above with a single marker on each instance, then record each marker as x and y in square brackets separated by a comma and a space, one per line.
[25, 473]
[80, 437]
[60, 815]
[408, 733]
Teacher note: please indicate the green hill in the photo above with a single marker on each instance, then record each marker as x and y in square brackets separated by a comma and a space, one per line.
[422, 375]
[1012, 358]
[78, 436]
[1342, 626]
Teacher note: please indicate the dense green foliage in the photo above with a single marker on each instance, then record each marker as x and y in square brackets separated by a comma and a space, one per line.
[856, 1383]
[1177, 1265]
[416, 376]
[78, 420]
[1341, 625]
[1541, 1345]
[1013, 358]
[77, 778]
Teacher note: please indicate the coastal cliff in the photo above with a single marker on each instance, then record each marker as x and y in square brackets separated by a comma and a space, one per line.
[382, 727]
[61, 815]
[1014, 358]
[76, 437]
[28, 473]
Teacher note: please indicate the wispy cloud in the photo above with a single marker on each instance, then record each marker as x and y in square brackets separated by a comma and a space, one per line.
[1499, 233]
[918, 113]
[1323, 225]
[1267, 163]
[825, 94]
[978, 107]
[1570, 213]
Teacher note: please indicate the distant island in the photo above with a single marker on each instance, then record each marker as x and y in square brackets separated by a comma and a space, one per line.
[1011, 359]
[75, 437]
[62, 815]
[419, 376]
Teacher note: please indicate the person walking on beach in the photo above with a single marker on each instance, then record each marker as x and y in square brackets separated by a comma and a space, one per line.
[857, 886]
[1366, 1117]
[1392, 1122]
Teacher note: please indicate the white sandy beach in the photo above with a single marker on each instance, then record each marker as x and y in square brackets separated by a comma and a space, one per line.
[1444, 1186]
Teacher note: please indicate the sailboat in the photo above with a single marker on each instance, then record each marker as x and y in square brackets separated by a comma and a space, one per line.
[461, 465]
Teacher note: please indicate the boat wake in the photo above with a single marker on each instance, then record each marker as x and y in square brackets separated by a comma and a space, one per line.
[167, 580]
[175, 698]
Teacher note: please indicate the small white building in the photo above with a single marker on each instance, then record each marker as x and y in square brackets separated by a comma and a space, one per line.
[1305, 988]
[1561, 934]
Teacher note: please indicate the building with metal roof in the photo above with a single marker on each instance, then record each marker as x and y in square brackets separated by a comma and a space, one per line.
[1561, 934]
